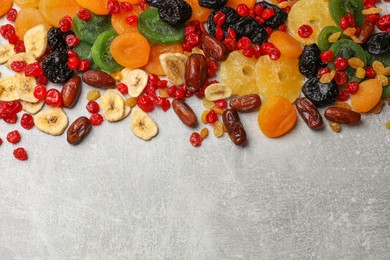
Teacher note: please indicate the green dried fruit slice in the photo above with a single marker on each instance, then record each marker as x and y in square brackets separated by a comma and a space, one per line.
[101, 52]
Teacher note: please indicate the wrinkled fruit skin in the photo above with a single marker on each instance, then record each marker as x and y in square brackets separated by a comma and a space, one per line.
[155, 3]
[320, 94]
[232, 17]
[212, 4]
[55, 67]
[233, 124]
[56, 39]
[342, 115]
[249, 27]
[184, 112]
[310, 61]
[246, 103]
[71, 91]
[195, 71]
[98, 79]
[174, 12]
[214, 47]
[309, 113]
[379, 43]
[278, 19]
[78, 130]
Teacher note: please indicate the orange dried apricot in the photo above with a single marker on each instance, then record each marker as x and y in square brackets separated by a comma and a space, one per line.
[154, 65]
[286, 44]
[118, 21]
[131, 50]
[234, 3]
[27, 3]
[28, 18]
[277, 116]
[96, 6]
[198, 12]
[368, 95]
[5, 5]
[133, 2]
[54, 10]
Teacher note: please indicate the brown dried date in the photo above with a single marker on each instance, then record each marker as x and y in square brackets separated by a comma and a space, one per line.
[184, 112]
[342, 115]
[246, 103]
[309, 113]
[78, 130]
[71, 91]
[196, 71]
[98, 79]
[234, 127]
[366, 32]
[214, 47]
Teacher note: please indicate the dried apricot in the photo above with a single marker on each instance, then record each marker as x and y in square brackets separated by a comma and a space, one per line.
[5, 5]
[97, 6]
[54, 10]
[118, 21]
[368, 95]
[154, 65]
[198, 12]
[286, 44]
[28, 18]
[133, 2]
[277, 116]
[27, 3]
[234, 3]
[131, 50]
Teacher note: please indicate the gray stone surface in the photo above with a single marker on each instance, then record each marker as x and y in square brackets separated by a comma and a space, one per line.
[307, 195]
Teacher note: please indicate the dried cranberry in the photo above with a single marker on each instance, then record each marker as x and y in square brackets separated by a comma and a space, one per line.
[219, 33]
[258, 9]
[54, 98]
[352, 87]
[132, 19]
[7, 30]
[341, 63]
[212, 67]
[122, 88]
[13, 137]
[9, 118]
[221, 103]
[18, 66]
[166, 105]
[33, 70]
[93, 107]
[145, 103]
[249, 52]
[195, 139]
[305, 31]
[343, 95]
[211, 117]
[327, 56]
[40, 92]
[162, 84]
[372, 18]
[19, 46]
[27, 121]
[72, 40]
[71, 53]
[113, 7]
[230, 44]
[340, 78]
[84, 15]
[96, 119]
[180, 93]
[73, 63]
[12, 14]
[242, 9]
[84, 65]
[126, 6]
[370, 72]
[383, 23]
[20, 154]
[65, 23]
[267, 13]
[323, 71]
[42, 80]
[219, 18]
[244, 43]
[172, 91]
[344, 22]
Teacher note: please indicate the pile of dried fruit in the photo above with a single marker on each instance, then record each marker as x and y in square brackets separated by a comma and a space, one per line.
[137, 55]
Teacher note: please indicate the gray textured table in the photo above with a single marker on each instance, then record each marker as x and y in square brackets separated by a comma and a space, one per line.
[307, 195]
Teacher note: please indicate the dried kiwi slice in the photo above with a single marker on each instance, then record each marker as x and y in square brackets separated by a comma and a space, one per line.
[101, 52]
[339, 8]
[155, 30]
[323, 42]
[88, 31]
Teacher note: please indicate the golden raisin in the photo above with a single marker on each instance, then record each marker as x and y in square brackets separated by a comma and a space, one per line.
[388, 124]
[163, 92]
[372, 10]
[218, 129]
[355, 63]
[208, 104]
[131, 102]
[342, 104]
[386, 71]
[383, 79]
[356, 39]
[360, 73]
[350, 31]
[218, 110]
[378, 67]
[93, 95]
[327, 77]
[336, 127]
[203, 116]
[204, 132]
[117, 75]
[334, 37]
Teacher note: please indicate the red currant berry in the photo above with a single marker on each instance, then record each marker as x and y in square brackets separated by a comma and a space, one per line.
[18, 66]
[126, 6]
[13, 137]
[113, 7]
[33, 70]
[219, 18]
[370, 72]
[351, 19]
[73, 63]
[12, 14]
[27, 121]
[352, 87]
[195, 139]
[84, 65]
[20, 154]
[327, 56]
[96, 119]
[267, 13]
[180, 93]
[242, 9]
[249, 52]
[343, 95]
[244, 43]
[221, 103]
[93, 107]
[84, 15]
[122, 88]
[145, 103]
[40, 92]
[53, 98]
[341, 63]
[340, 78]
[132, 19]
[305, 31]
[72, 40]
[65, 23]
[211, 117]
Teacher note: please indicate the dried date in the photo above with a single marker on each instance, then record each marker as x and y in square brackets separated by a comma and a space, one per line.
[214, 47]
[342, 115]
[184, 112]
[78, 130]
[195, 72]
[246, 103]
[309, 113]
[71, 91]
[234, 127]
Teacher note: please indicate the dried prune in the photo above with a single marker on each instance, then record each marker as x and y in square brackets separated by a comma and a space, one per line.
[249, 27]
[212, 4]
[310, 61]
[56, 39]
[231, 15]
[379, 43]
[278, 19]
[174, 12]
[55, 67]
[320, 94]
[155, 3]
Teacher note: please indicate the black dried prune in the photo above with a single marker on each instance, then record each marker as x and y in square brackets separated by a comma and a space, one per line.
[155, 3]
[278, 19]
[379, 43]
[56, 39]
[55, 67]
[249, 27]
[310, 61]
[212, 4]
[320, 94]
[231, 15]
[174, 12]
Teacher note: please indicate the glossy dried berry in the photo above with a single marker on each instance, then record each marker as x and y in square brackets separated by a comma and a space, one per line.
[27, 121]
[250, 28]
[379, 43]
[175, 12]
[212, 4]
[20, 154]
[276, 20]
[56, 39]
[13, 137]
[310, 61]
[320, 94]
[232, 17]
[55, 67]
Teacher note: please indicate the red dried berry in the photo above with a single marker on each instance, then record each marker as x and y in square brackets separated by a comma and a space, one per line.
[113, 7]
[343, 95]
[12, 14]
[20, 154]
[249, 52]
[84, 15]
[42, 80]
[305, 31]
[323, 71]
[244, 43]
[180, 93]
[54, 98]
[211, 117]
[282, 27]
[267, 13]
[65, 23]
[258, 9]
[344, 22]
[132, 19]
[242, 9]
[219, 33]
[219, 18]
[166, 105]
[370, 72]
[18, 66]
[340, 78]
[71, 53]
[327, 56]
[341, 63]
[73, 63]
[162, 84]
[230, 44]
[72, 40]
[126, 6]
[19, 46]
[195, 139]
[40, 92]
[1, 141]
[96, 119]
[145, 103]
[13, 137]
[7, 30]
[221, 103]
[92, 107]
[122, 88]
[27, 121]
[352, 87]
[212, 67]
[84, 65]
[33, 70]
[172, 91]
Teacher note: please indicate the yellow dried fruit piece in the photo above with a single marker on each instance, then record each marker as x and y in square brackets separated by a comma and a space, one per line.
[93, 95]
[387, 125]
[327, 77]
[218, 129]
[204, 132]
[163, 92]
[372, 10]
[336, 127]
[334, 37]
[360, 73]
[218, 110]
[386, 71]
[355, 63]
[203, 116]
[342, 104]
[208, 104]
[131, 102]
[350, 31]
[117, 75]
[378, 67]
[1, 90]
[383, 79]
[356, 39]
